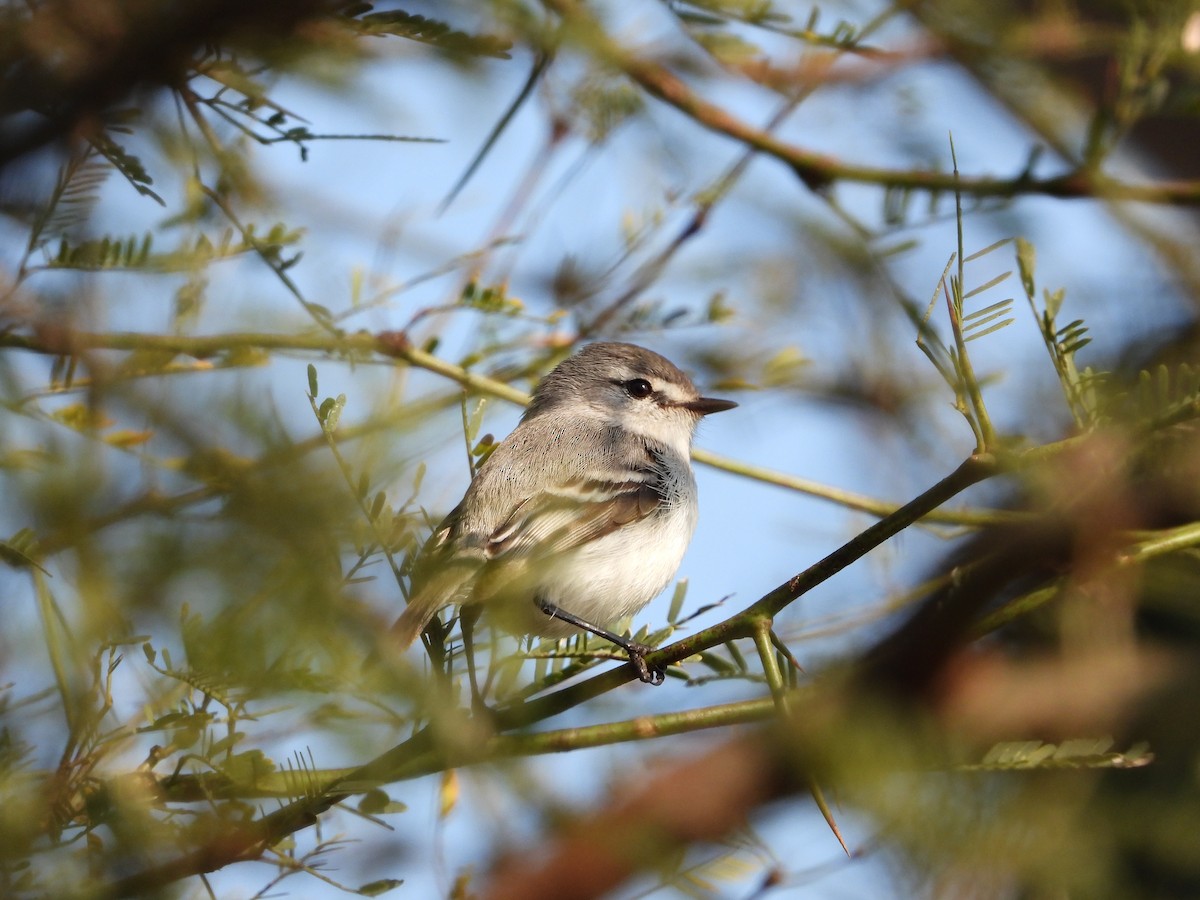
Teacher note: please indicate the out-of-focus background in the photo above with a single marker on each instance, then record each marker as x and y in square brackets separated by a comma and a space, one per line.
[272, 280]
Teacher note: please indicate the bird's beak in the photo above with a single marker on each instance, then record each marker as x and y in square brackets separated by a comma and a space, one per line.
[703, 406]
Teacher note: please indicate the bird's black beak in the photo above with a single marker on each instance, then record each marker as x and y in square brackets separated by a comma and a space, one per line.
[703, 406]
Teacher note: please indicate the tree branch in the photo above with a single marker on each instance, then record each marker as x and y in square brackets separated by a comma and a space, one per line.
[818, 170]
[394, 345]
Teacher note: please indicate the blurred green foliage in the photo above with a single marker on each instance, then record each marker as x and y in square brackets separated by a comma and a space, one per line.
[199, 573]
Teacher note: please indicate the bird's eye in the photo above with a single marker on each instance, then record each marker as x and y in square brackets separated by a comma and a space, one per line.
[638, 388]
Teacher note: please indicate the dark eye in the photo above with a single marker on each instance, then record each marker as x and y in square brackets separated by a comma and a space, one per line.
[638, 388]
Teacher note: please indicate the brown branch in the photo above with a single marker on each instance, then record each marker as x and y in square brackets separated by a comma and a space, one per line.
[818, 170]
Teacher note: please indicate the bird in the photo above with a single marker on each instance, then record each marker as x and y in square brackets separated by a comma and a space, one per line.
[581, 516]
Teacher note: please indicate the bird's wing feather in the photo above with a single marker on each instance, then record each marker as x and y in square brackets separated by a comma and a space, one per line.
[569, 515]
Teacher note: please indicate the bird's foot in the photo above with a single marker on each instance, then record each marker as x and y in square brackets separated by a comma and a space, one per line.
[637, 652]
[647, 674]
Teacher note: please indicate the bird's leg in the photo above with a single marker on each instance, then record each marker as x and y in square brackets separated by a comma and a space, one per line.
[467, 617]
[637, 652]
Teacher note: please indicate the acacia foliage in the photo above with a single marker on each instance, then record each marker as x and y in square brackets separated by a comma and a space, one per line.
[218, 468]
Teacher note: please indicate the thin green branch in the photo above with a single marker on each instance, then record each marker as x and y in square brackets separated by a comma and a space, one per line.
[766, 655]
[974, 518]
[411, 759]
[277, 266]
[318, 314]
[359, 499]
[973, 470]
[981, 422]
[1146, 546]
[52, 621]
[781, 697]
[393, 345]
[1015, 609]
[541, 62]
[742, 625]
[1159, 543]
[706, 201]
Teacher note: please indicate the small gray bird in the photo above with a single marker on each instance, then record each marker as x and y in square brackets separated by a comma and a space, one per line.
[582, 515]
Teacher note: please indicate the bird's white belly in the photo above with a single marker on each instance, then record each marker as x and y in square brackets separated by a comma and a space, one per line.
[609, 579]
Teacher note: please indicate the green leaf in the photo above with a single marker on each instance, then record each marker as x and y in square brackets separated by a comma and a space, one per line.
[247, 768]
[382, 886]
[376, 802]
[319, 312]
[976, 334]
[606, 102]
[1079, 753]
[226, 743]
[324, 409]
[677, 598]
[74, 196]
[81, 417]
[736, 655]
[1054, 301]
[1026, 263]
[229, 73]
[988, 249]
[126, 438]
[475, 419]
[785, 368]
[986, 286]
[1075, 326]
[726, 47]
[20, 549]
[694, 18]
[431, 31]
[312, 380]
[999, 306]
[490, 298]
[127, 164]
[186, 737]
[334, 414]
[482, 450]
[330, 411]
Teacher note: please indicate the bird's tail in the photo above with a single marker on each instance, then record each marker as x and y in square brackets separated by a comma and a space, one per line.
[413, 620]
[449, 585]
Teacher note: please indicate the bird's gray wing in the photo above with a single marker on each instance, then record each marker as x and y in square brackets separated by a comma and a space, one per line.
[587, 479]
[576, 512]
